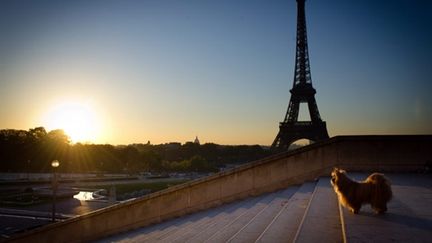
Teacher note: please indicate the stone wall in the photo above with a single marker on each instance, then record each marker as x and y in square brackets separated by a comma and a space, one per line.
[365, 153]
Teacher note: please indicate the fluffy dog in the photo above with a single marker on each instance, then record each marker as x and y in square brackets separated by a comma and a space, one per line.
[375, 190]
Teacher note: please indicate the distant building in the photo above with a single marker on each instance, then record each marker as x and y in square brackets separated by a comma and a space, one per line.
[196, 141]
[172, 145]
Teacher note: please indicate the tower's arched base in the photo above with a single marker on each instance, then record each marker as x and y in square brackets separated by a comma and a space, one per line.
[291, 132]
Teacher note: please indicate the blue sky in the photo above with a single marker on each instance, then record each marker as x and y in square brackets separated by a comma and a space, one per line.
[220, 70]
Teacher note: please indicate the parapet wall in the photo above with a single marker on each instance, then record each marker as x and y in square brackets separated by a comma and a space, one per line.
[367, 153]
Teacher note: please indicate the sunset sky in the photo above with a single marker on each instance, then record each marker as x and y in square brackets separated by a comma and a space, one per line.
[130, 71]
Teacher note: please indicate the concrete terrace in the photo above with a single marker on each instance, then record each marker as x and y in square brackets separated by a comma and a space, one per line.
[306, 213]
[283, 198]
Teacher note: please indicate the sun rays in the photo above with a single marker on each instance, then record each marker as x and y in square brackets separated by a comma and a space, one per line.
[78, 120]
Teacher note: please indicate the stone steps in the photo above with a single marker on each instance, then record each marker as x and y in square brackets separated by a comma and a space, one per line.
[242, 221]
[214, 230]
[252, 229]
[322, 216]
[306, 213]
[231, 213]
[189, 223]
[284, 225]
[236, 226]
[271, 217]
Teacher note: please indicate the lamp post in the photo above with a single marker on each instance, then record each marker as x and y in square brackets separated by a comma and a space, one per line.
[54, 165]
[28, 170]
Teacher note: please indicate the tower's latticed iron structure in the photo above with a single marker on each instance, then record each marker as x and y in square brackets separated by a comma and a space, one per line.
[302, 91]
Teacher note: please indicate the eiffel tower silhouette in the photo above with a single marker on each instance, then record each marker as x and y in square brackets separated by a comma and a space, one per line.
[302, 91]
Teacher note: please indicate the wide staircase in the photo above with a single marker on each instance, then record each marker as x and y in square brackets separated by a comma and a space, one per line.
[305, 213]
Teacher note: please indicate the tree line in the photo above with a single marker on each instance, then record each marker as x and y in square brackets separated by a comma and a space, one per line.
[33, 150]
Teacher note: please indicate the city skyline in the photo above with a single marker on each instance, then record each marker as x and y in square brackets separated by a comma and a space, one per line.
[167, 71]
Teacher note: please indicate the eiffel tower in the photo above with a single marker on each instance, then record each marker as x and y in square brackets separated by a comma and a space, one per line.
[302, 91]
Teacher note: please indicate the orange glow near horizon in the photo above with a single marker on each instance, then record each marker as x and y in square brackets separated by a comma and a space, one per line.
[78, 120]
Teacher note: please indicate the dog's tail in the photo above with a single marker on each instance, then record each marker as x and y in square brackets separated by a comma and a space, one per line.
[382, 186]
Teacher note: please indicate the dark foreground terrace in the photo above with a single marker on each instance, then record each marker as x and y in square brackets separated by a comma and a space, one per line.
[302, 213]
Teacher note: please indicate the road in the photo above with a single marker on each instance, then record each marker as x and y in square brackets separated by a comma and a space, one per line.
[15, 220]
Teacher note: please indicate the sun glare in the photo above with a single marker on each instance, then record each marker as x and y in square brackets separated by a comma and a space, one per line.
[78, 121]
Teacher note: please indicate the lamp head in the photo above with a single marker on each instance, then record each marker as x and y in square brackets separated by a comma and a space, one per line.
[55, 163]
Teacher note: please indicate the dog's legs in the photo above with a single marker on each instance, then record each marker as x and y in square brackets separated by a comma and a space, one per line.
[379, 209]
[355, 209]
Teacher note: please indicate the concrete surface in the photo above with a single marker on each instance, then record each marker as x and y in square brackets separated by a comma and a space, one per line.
[409, 216]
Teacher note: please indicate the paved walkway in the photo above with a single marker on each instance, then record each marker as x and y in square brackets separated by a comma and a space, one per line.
[409, 216]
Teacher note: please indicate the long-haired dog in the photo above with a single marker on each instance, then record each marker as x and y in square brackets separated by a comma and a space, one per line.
[375, 190]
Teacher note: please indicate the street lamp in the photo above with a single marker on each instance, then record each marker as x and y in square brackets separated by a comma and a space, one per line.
[54, 165]
[28, 170]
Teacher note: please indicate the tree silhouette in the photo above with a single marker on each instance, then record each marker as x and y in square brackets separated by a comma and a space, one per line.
[33, 151]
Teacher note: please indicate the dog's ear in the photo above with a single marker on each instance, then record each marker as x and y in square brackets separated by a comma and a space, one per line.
[335, 169]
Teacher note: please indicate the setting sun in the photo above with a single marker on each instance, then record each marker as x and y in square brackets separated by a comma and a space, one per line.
[78, 121]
